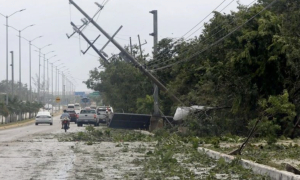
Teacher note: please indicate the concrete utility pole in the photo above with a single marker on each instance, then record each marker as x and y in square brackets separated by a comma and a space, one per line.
[130, 46]
[131, 58]
[101, 50]
[141, 52]
[12, 73]
[88, 41]
[155, 40]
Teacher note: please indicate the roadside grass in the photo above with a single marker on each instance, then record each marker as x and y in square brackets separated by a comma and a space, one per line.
[16, 123]
[274, 155]
[165, 155]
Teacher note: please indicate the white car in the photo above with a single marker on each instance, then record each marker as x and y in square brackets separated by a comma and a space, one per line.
[43, 118]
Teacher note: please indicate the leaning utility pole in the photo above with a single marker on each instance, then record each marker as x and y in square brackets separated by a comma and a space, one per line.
[87, 40]
[130, 46]
[131, 58]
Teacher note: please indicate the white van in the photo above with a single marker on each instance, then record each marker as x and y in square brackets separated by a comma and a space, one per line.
[43, 118]
[71, 107]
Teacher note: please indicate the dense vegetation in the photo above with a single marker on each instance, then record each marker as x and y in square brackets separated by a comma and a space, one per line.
[246, 63]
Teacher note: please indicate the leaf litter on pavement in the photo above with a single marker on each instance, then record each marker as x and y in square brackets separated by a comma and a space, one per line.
[103, 153]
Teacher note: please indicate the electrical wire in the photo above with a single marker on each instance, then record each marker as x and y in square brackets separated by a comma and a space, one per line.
[218, 41]
[178, 39]
[157, 56]
[203, 25]
[203, 19]
[157, 62]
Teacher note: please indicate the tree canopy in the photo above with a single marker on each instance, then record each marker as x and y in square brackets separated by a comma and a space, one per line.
[240, 60]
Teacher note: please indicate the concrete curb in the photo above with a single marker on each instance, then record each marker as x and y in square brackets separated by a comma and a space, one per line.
[273, 173]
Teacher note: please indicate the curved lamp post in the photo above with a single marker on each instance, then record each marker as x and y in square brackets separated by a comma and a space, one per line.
[7, 16]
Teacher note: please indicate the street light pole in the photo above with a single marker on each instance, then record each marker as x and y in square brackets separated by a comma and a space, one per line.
[48, 73]
[7, 49]
[52, 82]
[30, 41]
[39, 82]
[12, 72]
[20, 64]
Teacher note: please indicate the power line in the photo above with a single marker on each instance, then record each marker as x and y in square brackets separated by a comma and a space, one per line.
[203, 25]
[218, 41]
[178, 39]
[203, 19]
[157, 62]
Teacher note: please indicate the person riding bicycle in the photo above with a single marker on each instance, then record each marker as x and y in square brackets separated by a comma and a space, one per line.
[65, 116]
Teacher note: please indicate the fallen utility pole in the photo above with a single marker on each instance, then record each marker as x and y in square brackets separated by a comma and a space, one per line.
[87, 40]
[132, 59]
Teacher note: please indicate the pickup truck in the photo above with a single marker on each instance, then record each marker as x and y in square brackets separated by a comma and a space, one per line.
[87, 116]
[102, 114]
[73, 116]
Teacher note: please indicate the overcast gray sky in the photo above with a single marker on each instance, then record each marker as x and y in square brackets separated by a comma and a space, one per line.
[52, 21]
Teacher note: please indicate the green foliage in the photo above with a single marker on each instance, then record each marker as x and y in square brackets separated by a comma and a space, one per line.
[245, 73]
[278, 116]
[90, 129]
[120, 84]
[107, 132]
[145, 105]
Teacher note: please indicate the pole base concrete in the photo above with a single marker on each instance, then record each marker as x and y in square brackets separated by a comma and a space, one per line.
[156, 123]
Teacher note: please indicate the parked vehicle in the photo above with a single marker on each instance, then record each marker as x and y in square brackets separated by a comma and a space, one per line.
[43, 118]
[73, 115]
[87, 116]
